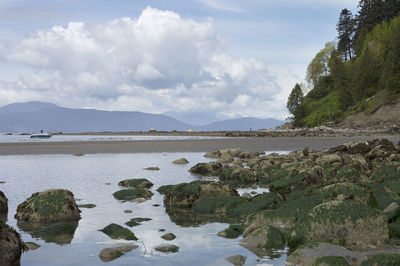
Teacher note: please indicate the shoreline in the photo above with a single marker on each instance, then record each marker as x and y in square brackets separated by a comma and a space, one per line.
[188, 145]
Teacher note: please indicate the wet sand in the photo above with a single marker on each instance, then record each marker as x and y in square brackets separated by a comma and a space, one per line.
[188, 145]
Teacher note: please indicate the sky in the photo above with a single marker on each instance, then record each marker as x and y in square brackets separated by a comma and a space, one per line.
[228, 58]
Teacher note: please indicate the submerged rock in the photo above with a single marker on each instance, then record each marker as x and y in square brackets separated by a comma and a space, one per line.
[136, 221]
[167, 248]
[181, 161]
[53, 205]
[237, 260]
[110, 254]
[133, 193]
[152, 168]
[136, 183]
[116, 231]
[87, 206]
[168, 237]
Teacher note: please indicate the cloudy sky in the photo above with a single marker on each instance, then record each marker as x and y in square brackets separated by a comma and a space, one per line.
[229, 57]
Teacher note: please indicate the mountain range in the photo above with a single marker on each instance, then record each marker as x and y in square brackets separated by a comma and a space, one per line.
[35, 116]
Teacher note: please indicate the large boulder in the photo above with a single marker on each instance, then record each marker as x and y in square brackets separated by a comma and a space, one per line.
[186, 194]
[348, 223]
[55, 205]
[207, 169]
[11, 246]
[237, 174]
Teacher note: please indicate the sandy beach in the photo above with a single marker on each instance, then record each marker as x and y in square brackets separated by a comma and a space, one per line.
[188, 145]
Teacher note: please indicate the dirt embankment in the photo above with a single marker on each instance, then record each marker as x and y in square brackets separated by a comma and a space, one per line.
[385, 117]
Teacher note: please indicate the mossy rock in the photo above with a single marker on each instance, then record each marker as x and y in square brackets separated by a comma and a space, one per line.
[331, 261]
[236, 206]
[167, 248]
[60, 233]
[287, 185]
[382, 196]
[349, 173]
[382, 260]
[168, 236]
[347, 223]
[116, 231]
[136, 183]
[237, 260]
[386, 172]
[32, 245]
[186, 194]
[54, 205]
[239, 174]
[137, 221]
[233, 231]
[207, 169]
[132, 193]
[264, 237]
[341, 191]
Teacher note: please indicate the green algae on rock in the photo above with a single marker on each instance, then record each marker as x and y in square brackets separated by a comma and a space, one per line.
[136, 183]
[168, 236]
[53, 205]
[152, 168]
[136, 221]
[87, 206]
[382, 260]
[116, 231]
[347, 223]
[132, 193]
[166, 248]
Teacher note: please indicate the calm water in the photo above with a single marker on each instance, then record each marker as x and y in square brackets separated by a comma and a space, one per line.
[86, 177]
[26, 138]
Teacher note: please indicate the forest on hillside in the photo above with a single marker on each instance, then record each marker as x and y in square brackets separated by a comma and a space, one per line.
[358, 72]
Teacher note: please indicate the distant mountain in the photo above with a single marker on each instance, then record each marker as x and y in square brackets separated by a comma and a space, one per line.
[194, 118]
[242, 124]
[35, 116]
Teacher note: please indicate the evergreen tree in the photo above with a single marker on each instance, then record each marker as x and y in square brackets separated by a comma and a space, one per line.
[345, 28]
[294, 104]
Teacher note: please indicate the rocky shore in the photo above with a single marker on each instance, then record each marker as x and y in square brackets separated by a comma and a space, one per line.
[347, 197]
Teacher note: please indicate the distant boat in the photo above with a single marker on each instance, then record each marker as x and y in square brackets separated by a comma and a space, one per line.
[41, 135]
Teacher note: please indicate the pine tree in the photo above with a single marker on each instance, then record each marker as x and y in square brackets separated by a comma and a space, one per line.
[294, 104]
[345, 28]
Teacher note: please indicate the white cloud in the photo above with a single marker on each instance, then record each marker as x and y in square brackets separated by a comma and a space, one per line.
[154, 63]
[222, 5]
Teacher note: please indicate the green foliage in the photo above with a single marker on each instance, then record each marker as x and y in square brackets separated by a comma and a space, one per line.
[116, 231]
[382, 260]
[364, 83]
[332, 261]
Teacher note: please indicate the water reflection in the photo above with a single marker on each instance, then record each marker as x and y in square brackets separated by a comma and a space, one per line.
[86, 177]
[60, 233]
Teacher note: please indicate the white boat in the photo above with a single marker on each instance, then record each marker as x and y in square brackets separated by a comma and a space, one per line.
[41, 135]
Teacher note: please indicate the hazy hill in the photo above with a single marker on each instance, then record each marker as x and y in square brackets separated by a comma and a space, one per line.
[36, 116]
